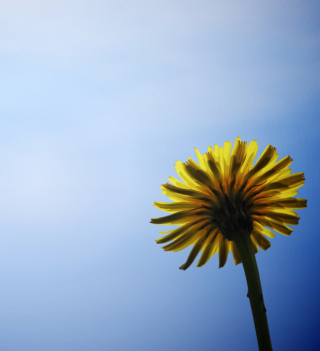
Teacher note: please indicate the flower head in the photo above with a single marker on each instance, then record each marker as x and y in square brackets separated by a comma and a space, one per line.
[225, 195]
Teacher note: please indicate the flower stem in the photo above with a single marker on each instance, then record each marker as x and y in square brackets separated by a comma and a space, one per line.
[244, 245]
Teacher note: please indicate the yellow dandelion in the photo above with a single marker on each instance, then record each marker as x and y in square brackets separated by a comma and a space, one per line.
[227, 204]
[225, 194]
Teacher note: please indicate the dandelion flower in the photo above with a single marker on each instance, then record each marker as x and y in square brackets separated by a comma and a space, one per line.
[224, 195]
[225, 203]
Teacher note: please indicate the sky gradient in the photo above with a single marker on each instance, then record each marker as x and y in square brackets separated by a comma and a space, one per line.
[98, 100]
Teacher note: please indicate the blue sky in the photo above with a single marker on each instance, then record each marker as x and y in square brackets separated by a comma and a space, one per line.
[98, 99]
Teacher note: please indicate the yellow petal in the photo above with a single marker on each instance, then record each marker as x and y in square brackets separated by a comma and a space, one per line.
[180, 168]
[292, 203]
[236, 145]
[188, 194]
[223, 251]
[214, 168]
[250, 154]
[286, 193]
[235, 253]
[199, 176]
[178, 183]
[263, 230]
[182, 217]
[193, 254]
[183, 241]
[210, 247]
[261, 240]
[216, 153]
[176, 233]
[275, 225]
[266, 157]
[280, 165]
[273, 194]
[227, 153]
[282, 217]
[176, 206]
[222, 162]
[254, 244]
[201, 159]
[237, 159]
[280, 175]
[292, 181]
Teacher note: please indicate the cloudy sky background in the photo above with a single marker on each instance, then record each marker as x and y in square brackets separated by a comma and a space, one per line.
[98, 99]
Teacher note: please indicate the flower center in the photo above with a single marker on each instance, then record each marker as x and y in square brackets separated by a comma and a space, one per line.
[233, 218]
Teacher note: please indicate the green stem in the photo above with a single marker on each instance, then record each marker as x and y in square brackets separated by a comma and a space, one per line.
[244, 245]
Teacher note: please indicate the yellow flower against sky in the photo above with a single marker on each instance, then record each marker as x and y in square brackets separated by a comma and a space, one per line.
[227, 204]
[225, 193]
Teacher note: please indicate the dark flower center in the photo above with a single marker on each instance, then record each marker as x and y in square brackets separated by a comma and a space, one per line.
[233, 218]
